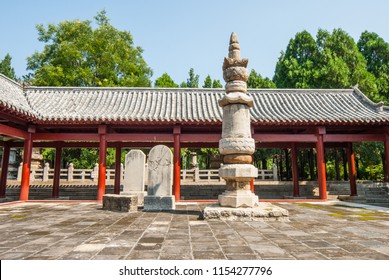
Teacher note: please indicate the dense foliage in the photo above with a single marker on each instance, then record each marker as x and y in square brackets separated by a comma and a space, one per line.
[5, 67]
[76, 54]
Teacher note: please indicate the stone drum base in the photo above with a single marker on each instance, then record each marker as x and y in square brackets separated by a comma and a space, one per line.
[122, 203]
[263, 212]
[156, 203]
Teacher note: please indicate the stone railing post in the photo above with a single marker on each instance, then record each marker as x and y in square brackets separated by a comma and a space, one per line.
[121, 172]
[275, 172]
[146, 174]
[95, 172]
[196, 174]
[70, 172]
[46, 169]
[19, 175]
[32, 175]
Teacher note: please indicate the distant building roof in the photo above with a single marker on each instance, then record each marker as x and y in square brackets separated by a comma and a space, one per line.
[182, 105]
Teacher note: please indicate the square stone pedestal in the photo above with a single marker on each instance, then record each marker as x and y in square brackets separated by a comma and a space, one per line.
[157, 203]
[238, 198]
[264, 211]
[122, 203]
[141, 195]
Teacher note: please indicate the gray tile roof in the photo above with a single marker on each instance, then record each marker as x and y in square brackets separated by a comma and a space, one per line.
[140, 105]
[13, 99]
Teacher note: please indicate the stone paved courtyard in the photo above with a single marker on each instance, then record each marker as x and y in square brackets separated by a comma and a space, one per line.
[82, 230]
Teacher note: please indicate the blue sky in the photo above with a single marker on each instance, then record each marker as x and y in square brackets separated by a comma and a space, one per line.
[177, 35]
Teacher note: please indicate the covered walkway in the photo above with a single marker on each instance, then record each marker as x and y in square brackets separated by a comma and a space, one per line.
[60, 117]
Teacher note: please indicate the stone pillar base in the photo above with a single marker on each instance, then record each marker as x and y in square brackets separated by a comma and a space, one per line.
[140, 195]
[157, 203]
[263, 212]
[238, 198]
[122, 203]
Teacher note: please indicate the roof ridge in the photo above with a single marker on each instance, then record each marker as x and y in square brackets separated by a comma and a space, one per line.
[379, 106]
[119, 88]
[11, 80]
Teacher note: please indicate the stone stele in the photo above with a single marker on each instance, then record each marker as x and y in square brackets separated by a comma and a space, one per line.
[160, 180]
[134, 175]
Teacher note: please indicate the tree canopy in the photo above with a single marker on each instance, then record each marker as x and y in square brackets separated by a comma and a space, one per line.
[192, 81]
[165, 81]
[5, 67]
[255, 80]
[376, 52]
[209, 83]
[76, 54]
[331, 61]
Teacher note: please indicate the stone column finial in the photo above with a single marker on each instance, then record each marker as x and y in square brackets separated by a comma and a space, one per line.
[235, 68]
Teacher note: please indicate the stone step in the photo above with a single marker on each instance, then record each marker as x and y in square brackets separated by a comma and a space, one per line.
[377, 200]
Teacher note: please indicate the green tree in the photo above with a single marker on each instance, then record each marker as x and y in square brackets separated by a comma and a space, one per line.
[332, 61]
[192, 81]
[376, 52]
[76, 54]
[216, 84]
[5, 67]
[296, 66]
[255, 80]
[165, 81]
[207, 82]
[342, 65]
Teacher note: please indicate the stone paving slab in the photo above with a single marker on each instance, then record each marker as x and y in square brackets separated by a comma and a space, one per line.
[82, 230]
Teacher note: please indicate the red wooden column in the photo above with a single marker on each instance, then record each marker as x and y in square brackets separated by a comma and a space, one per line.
[386, 146]
[252, 185]
[4, 169]
[352, 169]
[27, 152]
[295, 173]
[177, 163]
[118, 171]
[321, 164]
[102, 162]
[57, 172]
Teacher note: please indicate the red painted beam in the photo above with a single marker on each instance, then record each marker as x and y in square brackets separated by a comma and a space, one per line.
[352, 170]
[274, 137]
[4, 170]
[13, 132]
[25, 184]
[354, 138]
[102, 167]
[140, 137]
[200, 138]
[57, 172]
[66, 136]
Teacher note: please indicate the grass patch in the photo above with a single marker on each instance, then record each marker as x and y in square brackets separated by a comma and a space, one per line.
[348, 206]
[367, 214]
[336, 215]
[307, 205]
[367, 218]
[18, 217]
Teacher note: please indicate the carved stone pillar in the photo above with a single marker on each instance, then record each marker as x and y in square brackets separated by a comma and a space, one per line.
[236, 144]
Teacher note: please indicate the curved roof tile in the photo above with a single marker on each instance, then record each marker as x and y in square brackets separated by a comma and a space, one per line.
[180, 105]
